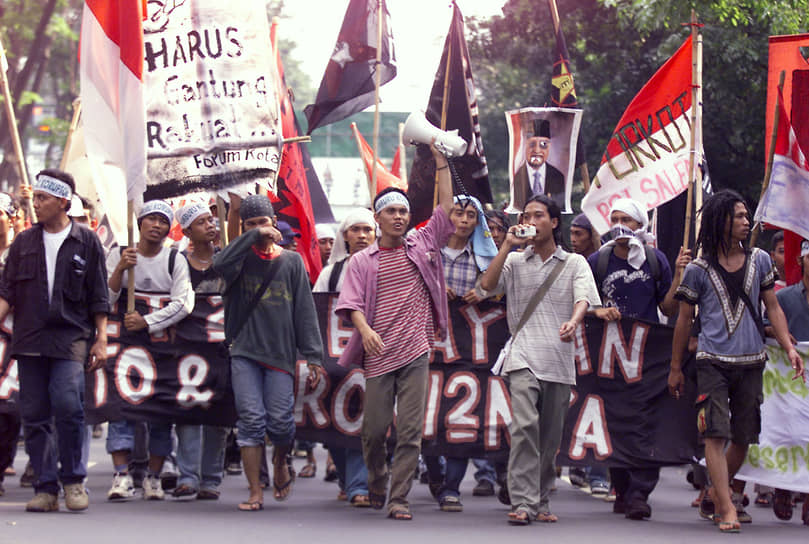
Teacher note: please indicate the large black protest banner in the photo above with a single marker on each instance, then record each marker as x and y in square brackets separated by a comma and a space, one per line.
[9, 382]
[180, 375]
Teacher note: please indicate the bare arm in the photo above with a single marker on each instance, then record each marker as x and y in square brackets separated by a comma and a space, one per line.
[371, 341]
[679, 345]
[568, 328]
[669, 304]
[4, 309]
[490, 278]
[98, 352]
[444, 180]
[779, 325]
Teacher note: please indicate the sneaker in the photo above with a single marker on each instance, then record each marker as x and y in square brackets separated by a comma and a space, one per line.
[76, 497]
[152, 489]
[169, 474]
[451, 504]
[741, 514]
[599, 489]
[484, 489]
[27, 478]
[122, 487]
[577, 477]
[235, 467]
[43, 502]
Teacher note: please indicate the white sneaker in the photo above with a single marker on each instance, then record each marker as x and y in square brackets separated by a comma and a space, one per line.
[122, 487]
[152, 489]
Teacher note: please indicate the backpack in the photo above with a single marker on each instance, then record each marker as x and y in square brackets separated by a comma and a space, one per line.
[172, 257]
[334, 277]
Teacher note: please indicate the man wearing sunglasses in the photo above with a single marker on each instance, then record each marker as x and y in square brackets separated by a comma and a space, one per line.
[536, 176]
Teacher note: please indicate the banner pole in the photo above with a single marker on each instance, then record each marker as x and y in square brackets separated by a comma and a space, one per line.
[696, 82]
[699, 188]
[773, 140]
[223, 221]
[372, 185]
[444, 98]
[74, 124]
[11, 118]
[402, 154]
[130, 242]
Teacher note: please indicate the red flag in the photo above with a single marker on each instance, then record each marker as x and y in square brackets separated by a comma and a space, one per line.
[384, 178]
[113, 110]
[294, 205]
[648, 154]
[786, 199]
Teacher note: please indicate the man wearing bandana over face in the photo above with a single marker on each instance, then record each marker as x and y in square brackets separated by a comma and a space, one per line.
[536, 176]
[629, 287]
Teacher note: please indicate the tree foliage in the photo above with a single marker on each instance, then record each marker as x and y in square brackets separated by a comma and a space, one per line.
[615, 46]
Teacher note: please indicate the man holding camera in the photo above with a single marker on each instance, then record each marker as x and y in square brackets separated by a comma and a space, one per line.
[548, 291]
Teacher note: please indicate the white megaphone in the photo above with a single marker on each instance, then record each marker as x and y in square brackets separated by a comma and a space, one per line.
[418, 130]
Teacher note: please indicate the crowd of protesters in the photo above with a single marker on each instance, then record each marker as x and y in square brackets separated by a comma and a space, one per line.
[394, 284]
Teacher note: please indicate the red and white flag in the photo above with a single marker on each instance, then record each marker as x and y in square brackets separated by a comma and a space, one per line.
[786, 200]
[384, 178]
[647, 156]
[113, 110]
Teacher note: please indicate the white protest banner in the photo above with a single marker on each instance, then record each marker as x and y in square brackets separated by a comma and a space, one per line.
[211, 96]
[781, 457]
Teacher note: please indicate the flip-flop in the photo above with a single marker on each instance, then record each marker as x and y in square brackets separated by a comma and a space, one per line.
[250, 506]
[279, 489]
[208, 495]
[400, 513]
[547, 517]
[729, 527]
[360, 501]
[308, 471]
[519, 517]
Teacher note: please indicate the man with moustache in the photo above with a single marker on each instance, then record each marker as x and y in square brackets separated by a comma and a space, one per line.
[536, 176]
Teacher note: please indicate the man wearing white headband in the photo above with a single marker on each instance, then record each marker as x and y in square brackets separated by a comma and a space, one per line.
[634, 280]
[157, 269]
[356, 232]
[56, 283]
[392, 292]
[325, 242]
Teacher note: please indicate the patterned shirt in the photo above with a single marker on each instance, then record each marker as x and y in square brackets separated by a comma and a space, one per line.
[460, 271]
[728, 332]
[537, 346]
[403, 317]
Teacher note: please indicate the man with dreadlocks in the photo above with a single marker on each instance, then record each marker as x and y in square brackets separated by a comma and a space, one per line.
[727, 283]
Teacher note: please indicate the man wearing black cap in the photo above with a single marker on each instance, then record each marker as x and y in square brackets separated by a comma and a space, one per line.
[269, 318]
[536, 176]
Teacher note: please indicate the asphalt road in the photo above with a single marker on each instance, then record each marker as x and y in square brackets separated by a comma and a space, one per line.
[313, 516]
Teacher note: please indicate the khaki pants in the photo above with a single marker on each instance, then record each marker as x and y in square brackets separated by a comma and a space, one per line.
[407, 386]
[538, 418]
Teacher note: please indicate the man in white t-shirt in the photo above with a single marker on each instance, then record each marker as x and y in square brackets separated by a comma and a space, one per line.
[158, 270]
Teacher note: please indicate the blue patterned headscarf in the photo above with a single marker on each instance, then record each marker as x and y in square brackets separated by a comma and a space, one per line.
[482, 242]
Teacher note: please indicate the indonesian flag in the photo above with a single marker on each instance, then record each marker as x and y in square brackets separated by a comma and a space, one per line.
[647, 156]
[786, 200]
[384, 178]
[113, 109]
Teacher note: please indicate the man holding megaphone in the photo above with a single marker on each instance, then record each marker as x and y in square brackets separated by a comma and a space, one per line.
[394, 293]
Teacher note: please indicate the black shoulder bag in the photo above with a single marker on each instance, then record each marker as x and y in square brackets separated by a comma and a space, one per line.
[232, 332]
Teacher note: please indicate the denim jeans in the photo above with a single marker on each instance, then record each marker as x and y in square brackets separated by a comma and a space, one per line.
[201, 455]
[485, 471]
[121, 437]
[351, 470]
[264, 399]
[52, 393]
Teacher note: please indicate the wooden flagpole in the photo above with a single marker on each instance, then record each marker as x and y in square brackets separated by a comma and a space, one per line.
[372, 185]
[402, 154]
[11, 118]
[696, 82]
[700, 189]
[773, 141]
[130, 242]
[583, 170]
[74, 124]
[445, 98]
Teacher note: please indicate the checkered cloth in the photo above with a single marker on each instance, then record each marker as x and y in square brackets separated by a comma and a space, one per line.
[460, 273]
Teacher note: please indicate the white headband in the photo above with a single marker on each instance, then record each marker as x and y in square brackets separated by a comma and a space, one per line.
[157, 206]
[633, 209]
[190, 213]
[324, 231]
[804, 248]
[391, 198]
[53, 186]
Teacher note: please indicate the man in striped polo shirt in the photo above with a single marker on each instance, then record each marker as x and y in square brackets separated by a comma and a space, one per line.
[394, 293]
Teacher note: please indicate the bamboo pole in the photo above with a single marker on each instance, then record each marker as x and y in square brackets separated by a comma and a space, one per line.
[696, 82]
[700, 189]
[444, 100]
[130, 274]
[402, 154]
[372, 186]
[222, 215]
[773, 141]
[11, 118]
[74, 124]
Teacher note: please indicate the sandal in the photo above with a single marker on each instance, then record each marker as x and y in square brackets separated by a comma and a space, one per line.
[331, 471]
[451, 503]
[764, 499]
[547, 517]
[251, 506]
[183, 490]
[308, 471]
[377, 500]
[729, 527]
[400, 513]
[208, 495]
[519, 517]
[782, 504]
[284, 490]
[360, 501]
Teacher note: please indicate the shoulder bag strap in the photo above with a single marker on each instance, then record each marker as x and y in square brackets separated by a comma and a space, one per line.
[734, 289]
[539, 295]
[274, 266]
